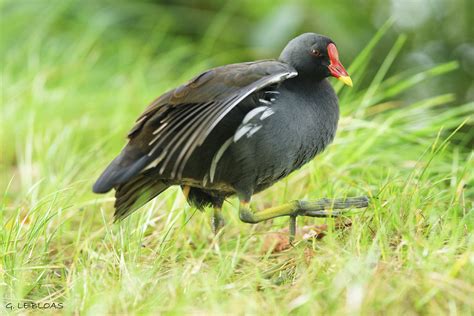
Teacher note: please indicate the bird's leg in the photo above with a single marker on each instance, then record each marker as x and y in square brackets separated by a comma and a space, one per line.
[217, 220]
[186, 189]
[315, 208]
[292, 228]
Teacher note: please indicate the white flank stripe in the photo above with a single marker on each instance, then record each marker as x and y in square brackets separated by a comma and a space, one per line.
[253, 131]
[252, 113]
[217, 157]
[241, 132]
[265, 101]
[266, 114]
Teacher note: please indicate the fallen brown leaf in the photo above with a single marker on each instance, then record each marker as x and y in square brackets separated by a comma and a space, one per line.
[279, 241]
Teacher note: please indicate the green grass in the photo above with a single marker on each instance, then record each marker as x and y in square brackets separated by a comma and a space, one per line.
[72, 86]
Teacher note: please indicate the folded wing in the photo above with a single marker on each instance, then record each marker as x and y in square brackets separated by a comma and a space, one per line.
[174, 125]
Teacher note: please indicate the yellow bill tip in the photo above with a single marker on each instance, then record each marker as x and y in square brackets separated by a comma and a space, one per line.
[346, 79]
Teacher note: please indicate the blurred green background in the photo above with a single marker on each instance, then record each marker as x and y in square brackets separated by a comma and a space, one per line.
[217, 32]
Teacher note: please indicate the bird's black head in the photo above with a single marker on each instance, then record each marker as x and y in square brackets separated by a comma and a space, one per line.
[315, 56]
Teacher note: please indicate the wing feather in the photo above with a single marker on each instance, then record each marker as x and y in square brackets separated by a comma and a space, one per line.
[179, 121]
[186, 134]
[200, 119]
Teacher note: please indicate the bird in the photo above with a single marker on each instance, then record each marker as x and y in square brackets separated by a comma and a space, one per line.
[235, 130]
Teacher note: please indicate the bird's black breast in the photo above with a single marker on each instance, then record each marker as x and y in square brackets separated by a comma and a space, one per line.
[304, 122]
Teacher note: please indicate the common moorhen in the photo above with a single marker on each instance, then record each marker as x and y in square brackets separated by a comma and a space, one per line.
[235, 130]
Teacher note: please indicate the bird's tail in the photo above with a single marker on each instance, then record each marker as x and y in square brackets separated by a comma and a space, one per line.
[135, 193]
[128, 164]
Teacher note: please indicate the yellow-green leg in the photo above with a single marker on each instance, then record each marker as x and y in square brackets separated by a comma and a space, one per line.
[317, 208]
[217, 220]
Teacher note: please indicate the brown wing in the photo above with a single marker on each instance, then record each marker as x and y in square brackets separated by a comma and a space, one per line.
[181, 119]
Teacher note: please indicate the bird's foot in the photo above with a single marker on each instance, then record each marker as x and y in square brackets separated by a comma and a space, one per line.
[217, 221]
[314, 208]
[330, 207]
[325, 208]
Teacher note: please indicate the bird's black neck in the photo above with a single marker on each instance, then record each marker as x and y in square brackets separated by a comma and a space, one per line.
[305, 83]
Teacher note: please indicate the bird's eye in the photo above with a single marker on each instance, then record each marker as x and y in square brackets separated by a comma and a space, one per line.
[315, 52]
